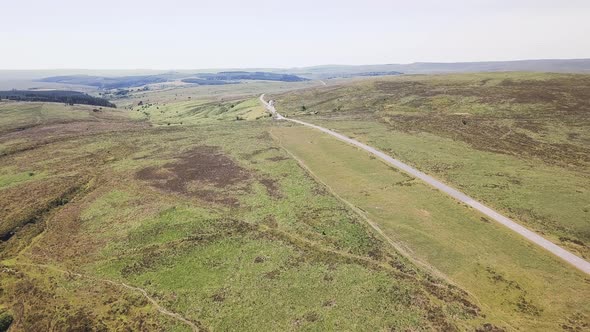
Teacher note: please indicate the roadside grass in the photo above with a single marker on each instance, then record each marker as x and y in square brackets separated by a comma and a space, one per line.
[548, 199]
[517, 141]
[523, 114]
[516, 282]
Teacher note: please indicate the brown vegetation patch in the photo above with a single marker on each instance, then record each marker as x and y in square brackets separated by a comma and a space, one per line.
[73, 129]
[272, 187]
[37, 136]
[204, 164]
[484, 133]
[576, 322]
[277, 158]
[219, 296]
[509, 90]
[270, 221]
[259, 259]
[258, 152]
[38, 304]
[65, 225]
[272, 274]
[25, 209]
[487, 327]
[499, 278]
[527, 307]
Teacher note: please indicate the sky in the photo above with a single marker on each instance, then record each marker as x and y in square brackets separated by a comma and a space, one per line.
[190, 34]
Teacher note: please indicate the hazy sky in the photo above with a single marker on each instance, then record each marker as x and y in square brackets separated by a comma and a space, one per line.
[177, 34]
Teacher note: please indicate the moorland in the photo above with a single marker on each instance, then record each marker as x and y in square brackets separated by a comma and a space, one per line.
[188, 207]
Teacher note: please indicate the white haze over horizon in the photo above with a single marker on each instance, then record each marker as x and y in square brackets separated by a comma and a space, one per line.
[184, 34]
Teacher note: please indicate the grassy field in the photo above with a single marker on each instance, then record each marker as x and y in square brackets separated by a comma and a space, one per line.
[182, 93]
[200, 112]
[519, 284]
[517, 141]
[116, 220]
[201, 213]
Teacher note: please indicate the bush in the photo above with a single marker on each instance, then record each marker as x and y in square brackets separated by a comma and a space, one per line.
[5, 321]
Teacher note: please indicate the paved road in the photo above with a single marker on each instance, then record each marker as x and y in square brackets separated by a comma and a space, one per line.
[567, 256]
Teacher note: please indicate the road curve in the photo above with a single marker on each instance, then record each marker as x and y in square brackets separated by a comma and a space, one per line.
[567, 256]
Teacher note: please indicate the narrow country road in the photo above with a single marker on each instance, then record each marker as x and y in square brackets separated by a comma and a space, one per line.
[567, 256]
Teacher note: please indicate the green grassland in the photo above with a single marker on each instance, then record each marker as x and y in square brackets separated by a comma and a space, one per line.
[190, 92]
[114, 220]
[188, 208]
[519, 284]
[17, 115]
[200, 112]
[517, 141]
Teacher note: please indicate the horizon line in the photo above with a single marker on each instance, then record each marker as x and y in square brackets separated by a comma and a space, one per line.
[301, 67]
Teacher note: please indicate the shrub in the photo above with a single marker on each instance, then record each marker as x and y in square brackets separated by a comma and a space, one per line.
[5, 321]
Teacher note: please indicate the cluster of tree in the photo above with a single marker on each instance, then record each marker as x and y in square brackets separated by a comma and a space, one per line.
[258, 75]
[121, 92]
[368, 73]
[379, 73]
[201, 81]
[125, 82]
[107, 82]
[56, 96]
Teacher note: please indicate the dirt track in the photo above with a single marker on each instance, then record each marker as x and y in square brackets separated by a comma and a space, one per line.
[567, 256]
[143, 292]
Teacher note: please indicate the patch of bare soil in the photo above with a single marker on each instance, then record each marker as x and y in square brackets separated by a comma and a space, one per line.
[203, 164]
